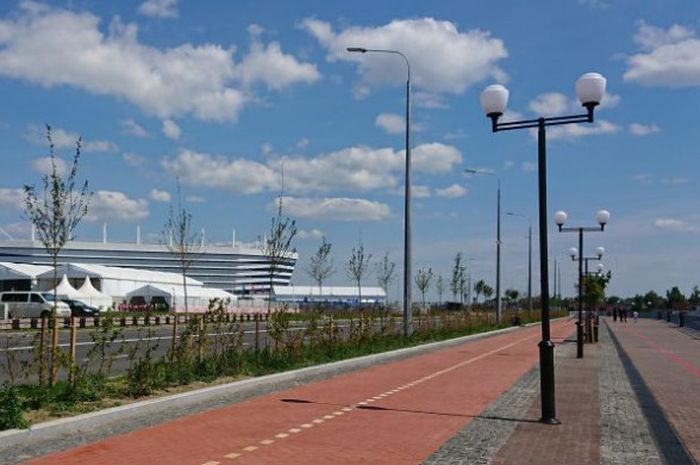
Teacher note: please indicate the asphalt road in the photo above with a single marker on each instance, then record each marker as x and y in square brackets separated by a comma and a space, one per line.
[18, 348]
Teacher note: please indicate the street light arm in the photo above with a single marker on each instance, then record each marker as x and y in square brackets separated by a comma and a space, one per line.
[381, 50]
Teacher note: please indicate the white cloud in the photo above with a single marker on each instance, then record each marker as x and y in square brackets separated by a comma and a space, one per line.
[43, 166]
[349, 169]
[443, 59]
[643, 130]
[11, 198]
[266, 148]
[159, 8]
[194, 199]
[267, 64]
[62, 138]
[574, 131]
[133, 159]
[159, 196]
[302, 143]
[667, 57]
[452, 192]
[675, 225]
[642, 177]
[237, 175]
[171, 129]
[528, 167]
[339, 209]
[52, 47]
[428, 100]
[391, 123]
[550, 104]
[310, 234]
[131, 127]
[508, 164]
[116, 207]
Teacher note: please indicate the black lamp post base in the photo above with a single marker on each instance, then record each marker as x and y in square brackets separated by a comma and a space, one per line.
[579, 339]
[549, 414]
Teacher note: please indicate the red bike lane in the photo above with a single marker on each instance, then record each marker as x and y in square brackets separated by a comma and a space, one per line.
[395, 413]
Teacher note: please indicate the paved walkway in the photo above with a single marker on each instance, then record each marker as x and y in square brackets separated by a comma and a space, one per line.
[628, 401]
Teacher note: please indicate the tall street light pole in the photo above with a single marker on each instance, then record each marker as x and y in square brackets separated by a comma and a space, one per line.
[498, 238]
[590, 89]
[529, 259]
[602, 217]
[407, 311]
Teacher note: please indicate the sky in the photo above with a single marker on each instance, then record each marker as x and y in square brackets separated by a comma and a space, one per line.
[249, 100]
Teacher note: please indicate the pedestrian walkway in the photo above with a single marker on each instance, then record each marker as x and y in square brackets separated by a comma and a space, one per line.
[629, 400]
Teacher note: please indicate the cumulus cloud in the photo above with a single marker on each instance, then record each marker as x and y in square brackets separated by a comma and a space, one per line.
[452, 192]
[52, 46]
[133, 159]
[668, 57]
[675, 225]
[643, 129]
[528, 167]
[194, 199]
[575, 131]
[391, 123]
[44, 166]
[171, 129]
[159, 8]
[131, 127]
[349, 169]
[62, 138]
[338, 209]
[302, 143]
[267, 64]
[556, 104]
[443, 58]
[159, 196]
[116, 207]
[12, 199]
[310, 234]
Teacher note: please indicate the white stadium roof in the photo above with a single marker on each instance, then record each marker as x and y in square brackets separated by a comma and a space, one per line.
[10, 270]
[81, 270]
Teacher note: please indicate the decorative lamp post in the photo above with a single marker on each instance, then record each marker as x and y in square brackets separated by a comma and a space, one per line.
[407, 311]
[590, 89]
[603, 216]
[498, 238]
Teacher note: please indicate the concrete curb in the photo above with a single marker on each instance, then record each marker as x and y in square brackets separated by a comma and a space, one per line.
[65, 428]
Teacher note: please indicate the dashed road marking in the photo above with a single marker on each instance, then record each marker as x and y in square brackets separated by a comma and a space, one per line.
[307, 425]
[328, 417]
[281, 435]
[250, 448]
[317, 421]
[267, 442]
[294, 430]
[232, 455]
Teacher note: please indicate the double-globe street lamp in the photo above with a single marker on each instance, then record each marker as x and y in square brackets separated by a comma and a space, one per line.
[498, 237]
[602, 217]
[529, 258]
[590, 89]
[576, 256]
[407, 195]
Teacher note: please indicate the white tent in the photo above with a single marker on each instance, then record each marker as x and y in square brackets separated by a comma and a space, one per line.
[197, 297]
[65, 290]
[94, 297]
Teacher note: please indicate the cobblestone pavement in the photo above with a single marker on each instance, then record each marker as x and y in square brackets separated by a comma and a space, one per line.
[663, 365]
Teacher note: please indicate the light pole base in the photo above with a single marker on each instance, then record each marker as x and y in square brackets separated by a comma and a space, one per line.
[579, 340]
[549, 415]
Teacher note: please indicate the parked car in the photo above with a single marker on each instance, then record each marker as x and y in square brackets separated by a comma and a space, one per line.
[31, 304]
[80, 309]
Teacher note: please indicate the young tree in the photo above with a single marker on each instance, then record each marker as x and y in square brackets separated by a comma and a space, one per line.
[479, 288]
[440, 288]
[277, 246]
[512, 295]
[55, 214]
[675, 299]
[694, 298]
[422, 280]
[183, 243]
[357, 268]
[488, 292]
[594, 289]
[457, 281]
[385, 273]
[321, 265]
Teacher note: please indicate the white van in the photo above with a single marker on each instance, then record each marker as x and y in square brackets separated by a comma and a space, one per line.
[26, 304]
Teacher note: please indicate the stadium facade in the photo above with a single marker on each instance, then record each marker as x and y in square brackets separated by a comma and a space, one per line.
[235, 268]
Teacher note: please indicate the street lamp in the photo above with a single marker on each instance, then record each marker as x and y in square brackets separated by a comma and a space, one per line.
[529, 259]
[602, 217]
[498, 237]
[407, 195]
[590, 89]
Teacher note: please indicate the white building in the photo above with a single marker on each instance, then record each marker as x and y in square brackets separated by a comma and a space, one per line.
[332, 295]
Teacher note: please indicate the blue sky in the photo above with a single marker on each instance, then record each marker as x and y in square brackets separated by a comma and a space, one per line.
[228, 95]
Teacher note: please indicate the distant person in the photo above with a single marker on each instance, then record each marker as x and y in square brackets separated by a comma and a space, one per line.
[624, 314]
[635, 315]
[614, 313]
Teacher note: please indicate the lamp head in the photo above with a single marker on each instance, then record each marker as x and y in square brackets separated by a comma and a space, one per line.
[357, 49]
[590, 89]
[600, 267]
[560, 218]
[600, 251]
[602, 217]
[573, 252]
[494, 100]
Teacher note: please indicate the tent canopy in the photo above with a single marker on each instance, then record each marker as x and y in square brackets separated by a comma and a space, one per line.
[9, 270]
[64, 289]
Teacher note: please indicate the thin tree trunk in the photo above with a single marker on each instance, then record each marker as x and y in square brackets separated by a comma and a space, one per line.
[53, 356]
